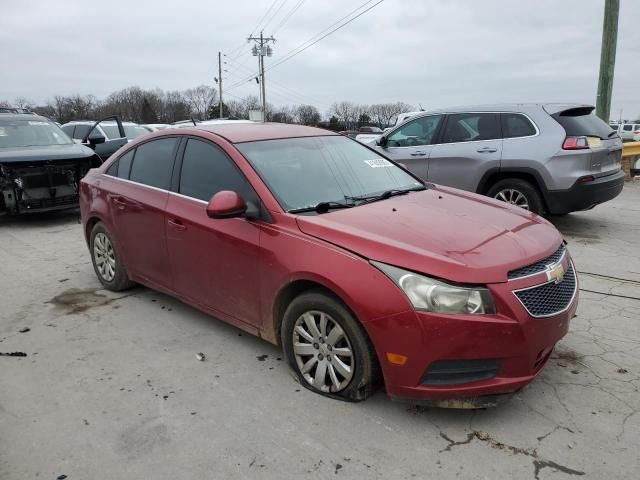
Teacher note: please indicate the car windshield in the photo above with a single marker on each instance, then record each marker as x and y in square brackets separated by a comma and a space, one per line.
[31, 133]
[134, 131]
[303, 172]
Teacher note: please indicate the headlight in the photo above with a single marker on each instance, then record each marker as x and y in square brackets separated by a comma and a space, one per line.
[437, 296]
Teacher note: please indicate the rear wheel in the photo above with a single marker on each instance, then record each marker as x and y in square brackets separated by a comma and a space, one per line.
[518, 192]
[107, 261]
[327, 348]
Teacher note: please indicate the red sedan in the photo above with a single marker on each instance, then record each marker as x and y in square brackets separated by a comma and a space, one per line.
[360, 271]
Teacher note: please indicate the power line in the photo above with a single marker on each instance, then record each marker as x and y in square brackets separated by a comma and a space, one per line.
[288, 16]
[313, 40]
[291, 54]
[255, 29]
[275, 13]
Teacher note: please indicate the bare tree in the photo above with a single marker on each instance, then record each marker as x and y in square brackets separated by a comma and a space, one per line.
[4, 103]
[346, 112]
[22, 102]
[307, 115]
[201, 99]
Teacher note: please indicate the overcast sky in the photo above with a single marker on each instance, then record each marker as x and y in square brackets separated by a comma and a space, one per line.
[435, 53]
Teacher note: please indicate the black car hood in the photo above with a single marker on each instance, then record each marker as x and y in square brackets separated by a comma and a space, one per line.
[45, 153]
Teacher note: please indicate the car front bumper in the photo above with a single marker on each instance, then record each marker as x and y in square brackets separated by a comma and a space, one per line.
[583, 196]
[466, 361]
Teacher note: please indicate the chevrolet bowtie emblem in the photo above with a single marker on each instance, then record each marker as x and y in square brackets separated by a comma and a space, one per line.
[555, 273]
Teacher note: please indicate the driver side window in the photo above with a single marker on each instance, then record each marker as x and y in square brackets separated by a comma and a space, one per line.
[420, 131]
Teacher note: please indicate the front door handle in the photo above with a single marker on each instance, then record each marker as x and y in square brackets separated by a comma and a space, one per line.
[488, 150]
[119, 203]
[177, 225]
[418, 153]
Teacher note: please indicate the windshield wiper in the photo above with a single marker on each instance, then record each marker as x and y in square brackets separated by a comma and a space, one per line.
[322, 207]
[612, 134]
[364, 199]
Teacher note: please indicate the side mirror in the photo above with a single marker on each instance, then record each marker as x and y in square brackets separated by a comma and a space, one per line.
[381, 141]
[226, 204]
[97, 140]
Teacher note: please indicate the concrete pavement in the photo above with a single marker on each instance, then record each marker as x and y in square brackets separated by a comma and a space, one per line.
[111, 389]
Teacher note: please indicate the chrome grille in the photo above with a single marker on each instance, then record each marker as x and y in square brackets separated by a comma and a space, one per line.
[537, 267]
[550, 298]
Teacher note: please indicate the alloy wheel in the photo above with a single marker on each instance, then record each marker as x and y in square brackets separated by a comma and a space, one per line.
[104, 257]
[323, 352]
[514, 197]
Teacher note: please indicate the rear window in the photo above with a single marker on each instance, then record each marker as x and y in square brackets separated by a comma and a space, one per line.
[153, 163]
[516, 125]
[581, 122]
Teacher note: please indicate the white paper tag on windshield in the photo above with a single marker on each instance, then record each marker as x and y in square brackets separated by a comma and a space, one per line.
[378, 163]
[38, 123]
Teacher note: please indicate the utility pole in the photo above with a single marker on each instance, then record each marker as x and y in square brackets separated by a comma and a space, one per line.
[260, 50]
[220, 84]
[607, 58]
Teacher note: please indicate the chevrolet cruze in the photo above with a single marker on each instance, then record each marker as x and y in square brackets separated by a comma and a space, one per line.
[360, 271]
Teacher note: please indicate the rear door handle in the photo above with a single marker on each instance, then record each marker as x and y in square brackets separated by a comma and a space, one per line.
[419, 153]
[119, 203]
[177, 225]
[488, 150]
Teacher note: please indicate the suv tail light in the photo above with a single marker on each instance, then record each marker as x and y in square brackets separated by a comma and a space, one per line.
[575, 143]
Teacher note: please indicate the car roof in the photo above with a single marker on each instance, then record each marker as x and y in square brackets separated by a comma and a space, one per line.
[23, 116]
[551, 108]
[255, 131]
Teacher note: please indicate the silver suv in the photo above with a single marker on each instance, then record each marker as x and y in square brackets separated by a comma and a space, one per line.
[547, 158]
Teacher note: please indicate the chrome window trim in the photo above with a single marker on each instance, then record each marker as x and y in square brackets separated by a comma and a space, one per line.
[136, 183]
[197, 200]
[502, 138]
[573, 297]
[564, 253]
[472, 141]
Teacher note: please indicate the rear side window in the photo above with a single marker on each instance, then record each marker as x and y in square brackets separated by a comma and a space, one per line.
[627, 128]
[124, 164]
[516, 125]
[206, 170]
[153, 163]
[581, 122]
[470, 127]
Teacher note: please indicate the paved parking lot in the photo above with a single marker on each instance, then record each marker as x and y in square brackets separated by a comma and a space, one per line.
[111, 389]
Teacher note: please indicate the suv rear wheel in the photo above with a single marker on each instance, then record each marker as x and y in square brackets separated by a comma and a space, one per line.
[518, 192]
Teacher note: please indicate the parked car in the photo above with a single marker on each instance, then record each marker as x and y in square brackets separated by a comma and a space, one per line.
[553, 158]
[636, 136]
[358, 269]
[108, 134]
[40, 166]
[627, 131]
[154, 127]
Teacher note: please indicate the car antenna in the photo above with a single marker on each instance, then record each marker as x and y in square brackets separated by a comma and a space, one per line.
[194, 121]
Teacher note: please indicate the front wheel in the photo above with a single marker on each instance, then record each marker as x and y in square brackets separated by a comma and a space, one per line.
[328, 349]
[520, 193]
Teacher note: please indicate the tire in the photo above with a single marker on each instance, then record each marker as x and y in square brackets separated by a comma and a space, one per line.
[321, 359]
[518, 192]
[107, 262]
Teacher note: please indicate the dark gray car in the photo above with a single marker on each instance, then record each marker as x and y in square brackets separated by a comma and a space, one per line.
[547, 158]
[40, 166]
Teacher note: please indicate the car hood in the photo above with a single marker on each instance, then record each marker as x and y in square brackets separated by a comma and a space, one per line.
[442, 232]
[44, 153]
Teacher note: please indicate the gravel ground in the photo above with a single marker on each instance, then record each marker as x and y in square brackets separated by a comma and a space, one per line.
[111, 389]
